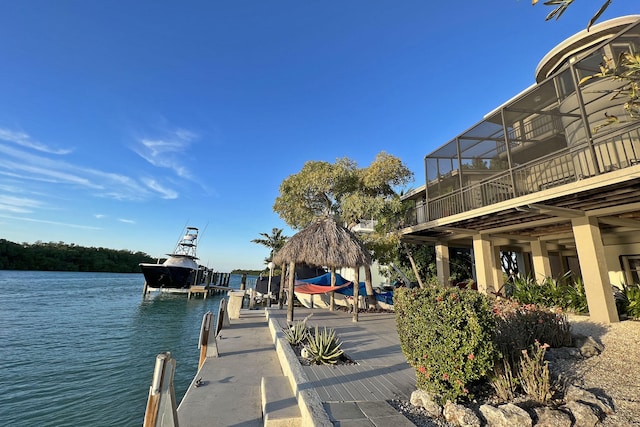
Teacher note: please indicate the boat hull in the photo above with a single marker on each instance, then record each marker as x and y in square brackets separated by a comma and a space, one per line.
[168, 278]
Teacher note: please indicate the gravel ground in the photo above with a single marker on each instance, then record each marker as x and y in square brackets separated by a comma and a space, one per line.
[613, 375]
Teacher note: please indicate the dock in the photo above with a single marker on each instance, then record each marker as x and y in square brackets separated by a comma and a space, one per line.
[256, 380]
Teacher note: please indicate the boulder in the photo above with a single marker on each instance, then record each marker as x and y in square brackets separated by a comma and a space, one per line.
[587, 346]
[508, 415]
[424, 400]
[459, 415]
[584, 415]
[549, 417]
[577, 394]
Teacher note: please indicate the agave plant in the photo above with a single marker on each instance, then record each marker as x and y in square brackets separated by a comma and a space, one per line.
[324, 347]
[297, 333]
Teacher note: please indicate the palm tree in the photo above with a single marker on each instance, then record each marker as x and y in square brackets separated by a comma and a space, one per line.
[274, 241]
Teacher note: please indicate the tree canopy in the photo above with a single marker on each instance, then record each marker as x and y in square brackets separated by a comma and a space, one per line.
[341, 190]
[274, 241]
[562, 5]
[68, 257]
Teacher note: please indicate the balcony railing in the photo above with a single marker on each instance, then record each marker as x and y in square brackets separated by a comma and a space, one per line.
[559, 168]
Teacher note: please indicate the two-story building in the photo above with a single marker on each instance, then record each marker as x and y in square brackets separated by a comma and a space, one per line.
[553, 174]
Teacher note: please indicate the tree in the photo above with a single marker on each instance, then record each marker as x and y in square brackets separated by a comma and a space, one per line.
[315, 192]
[347, 193]
[562, 5]
[274, 241]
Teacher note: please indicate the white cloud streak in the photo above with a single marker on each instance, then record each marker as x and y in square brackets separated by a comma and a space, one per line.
[25, 140]
[25, 162]
[18, 204]
[43, 221]
[165, 193]
[168, 152]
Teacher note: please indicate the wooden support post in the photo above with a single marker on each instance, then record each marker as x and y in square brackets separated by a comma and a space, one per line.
[161, 406]
[243, 282]
[203, 342]
[332, 298]
[291, 296]
[252, 299]
[356, 291]
[283, 269]
[144, 289]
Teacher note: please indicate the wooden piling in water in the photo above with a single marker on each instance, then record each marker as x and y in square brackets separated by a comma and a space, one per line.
[161, 405]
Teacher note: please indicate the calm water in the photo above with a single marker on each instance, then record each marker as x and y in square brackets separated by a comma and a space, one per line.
[78, 349]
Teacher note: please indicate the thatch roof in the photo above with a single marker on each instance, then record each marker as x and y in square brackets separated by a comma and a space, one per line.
[324, 243]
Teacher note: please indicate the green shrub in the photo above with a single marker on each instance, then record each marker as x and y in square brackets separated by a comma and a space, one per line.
[324, 347]
[525, 290]
[632, 301]
[518, 327]
[564, 292]
[531, 376]
[297, 333]
[534, 374]
[446, 334]
[503, 381]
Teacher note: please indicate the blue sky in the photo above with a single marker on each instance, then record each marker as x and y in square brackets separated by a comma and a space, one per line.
[123, 121]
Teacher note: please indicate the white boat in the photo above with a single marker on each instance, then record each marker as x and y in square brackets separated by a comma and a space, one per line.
[179, 271]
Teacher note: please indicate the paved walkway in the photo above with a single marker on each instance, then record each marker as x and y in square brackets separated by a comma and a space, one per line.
[229, 394]
[356, 395]
[351, 395]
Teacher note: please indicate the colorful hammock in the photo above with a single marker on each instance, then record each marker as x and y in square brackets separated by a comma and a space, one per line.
[308, 288]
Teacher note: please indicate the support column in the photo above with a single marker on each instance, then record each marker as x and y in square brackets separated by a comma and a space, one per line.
[591, 255]
[485, 260]
[442, 263]
[540, 258]
[498, 277]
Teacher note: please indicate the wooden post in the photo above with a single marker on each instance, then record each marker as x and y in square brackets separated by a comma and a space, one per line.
[161, 405]
[204, 337]
[252, 299]
[283, 269]
[356, 291]
[292, 278]
[144, 289]
[243, 282]
[332, 301]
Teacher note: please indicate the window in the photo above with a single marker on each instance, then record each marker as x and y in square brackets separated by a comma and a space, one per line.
[631, 268]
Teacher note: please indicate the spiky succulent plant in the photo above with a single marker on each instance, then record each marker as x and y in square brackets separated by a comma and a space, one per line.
[297, 333]
[324, 347]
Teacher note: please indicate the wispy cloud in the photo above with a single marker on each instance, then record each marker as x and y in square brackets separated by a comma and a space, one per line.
[165, 193]
[168, 151]
[25, 140]
[43, 221]
[34, 172]
[26, 166]
[126, 221]
[100, 216]
[18, 204]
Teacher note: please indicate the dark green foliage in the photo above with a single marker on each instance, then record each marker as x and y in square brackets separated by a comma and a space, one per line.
[425, 258]
[564, 292]
[630, 301]
[446, 334]
[68, 257]
[519, 327]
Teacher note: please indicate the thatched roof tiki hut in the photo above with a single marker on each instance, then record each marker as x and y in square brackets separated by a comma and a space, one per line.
[324, 243]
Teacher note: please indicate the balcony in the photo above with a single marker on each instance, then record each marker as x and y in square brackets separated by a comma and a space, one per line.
[557, 132]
